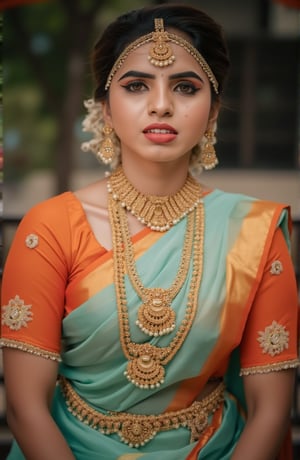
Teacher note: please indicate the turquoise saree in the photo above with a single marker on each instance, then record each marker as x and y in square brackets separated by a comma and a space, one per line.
[239, 240]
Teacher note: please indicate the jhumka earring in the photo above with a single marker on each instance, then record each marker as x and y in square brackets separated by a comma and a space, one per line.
[208, 157]
[106, 151]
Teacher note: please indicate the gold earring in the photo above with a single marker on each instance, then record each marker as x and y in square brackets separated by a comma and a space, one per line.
[208, 157]
[106, 151]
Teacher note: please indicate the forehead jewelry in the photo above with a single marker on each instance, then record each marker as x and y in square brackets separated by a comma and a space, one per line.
[161, 53]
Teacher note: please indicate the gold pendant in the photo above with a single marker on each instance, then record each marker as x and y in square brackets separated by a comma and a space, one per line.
[137, 433]
[145, 372]
[155, 315]
[107, 150]
[161, 53]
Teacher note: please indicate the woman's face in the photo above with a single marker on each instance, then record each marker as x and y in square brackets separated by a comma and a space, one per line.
[159, 114]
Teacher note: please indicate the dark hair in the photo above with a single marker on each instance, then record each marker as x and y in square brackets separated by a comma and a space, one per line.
[205, 35]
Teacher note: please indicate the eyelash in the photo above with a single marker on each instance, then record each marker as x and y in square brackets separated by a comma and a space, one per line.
[189, 88]
[134, 86]
[192, 89]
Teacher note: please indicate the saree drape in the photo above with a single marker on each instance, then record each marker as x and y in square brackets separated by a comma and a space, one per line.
[243, 239]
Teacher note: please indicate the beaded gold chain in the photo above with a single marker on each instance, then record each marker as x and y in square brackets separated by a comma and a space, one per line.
[157, 212]
[156, 316]
[145, 367]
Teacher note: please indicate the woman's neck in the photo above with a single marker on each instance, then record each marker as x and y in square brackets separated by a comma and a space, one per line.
[156, 178]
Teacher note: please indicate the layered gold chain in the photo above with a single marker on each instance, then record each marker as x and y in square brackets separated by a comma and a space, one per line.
[156, 316]
[157, 212]
[146, 362]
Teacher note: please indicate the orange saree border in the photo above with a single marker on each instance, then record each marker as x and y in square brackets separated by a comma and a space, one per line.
[260, 221]
[239, 294]
[207, 434]
[101, 272]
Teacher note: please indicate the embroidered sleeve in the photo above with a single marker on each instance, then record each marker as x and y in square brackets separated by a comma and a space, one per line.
[34, 280]
[270, 337]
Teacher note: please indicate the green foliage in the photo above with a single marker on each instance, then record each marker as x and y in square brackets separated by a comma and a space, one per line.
[39, 41]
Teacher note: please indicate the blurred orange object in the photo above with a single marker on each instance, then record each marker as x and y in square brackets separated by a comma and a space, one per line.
[289, 3]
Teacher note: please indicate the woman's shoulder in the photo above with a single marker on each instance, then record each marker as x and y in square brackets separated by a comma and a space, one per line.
[236, 206]
[218, 198]
[232, 199]
[54, 207]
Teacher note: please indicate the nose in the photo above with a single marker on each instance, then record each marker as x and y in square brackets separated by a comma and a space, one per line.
[160, 102]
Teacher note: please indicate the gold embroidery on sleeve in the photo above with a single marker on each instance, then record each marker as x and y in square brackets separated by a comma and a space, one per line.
[275, 367]
[31, 240]
[276, 268]
[9, 343]
[274, 339]
[16, 314]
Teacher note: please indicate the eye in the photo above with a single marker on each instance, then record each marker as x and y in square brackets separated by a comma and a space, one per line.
[186, 87]
[135, 86]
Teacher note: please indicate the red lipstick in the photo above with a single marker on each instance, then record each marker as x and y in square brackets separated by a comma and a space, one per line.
[160, 133]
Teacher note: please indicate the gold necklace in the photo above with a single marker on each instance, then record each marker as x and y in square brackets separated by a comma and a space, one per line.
[155, 315]
[157, 212]
[145, 367]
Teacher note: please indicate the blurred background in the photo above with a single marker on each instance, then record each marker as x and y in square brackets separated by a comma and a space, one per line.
[47, 76]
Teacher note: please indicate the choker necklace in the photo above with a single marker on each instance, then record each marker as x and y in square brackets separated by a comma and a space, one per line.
[145, 367]
[157, 212]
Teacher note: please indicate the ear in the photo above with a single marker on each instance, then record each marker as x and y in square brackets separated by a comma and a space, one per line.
[214, 113]
[106, 113]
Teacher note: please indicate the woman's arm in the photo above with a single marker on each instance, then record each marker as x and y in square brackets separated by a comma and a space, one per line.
[269, 347]
[30, 382]
[269, 400]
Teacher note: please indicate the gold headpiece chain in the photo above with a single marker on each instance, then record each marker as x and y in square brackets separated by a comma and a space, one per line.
[161, 53]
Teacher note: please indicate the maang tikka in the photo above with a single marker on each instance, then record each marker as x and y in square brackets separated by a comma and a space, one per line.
[106, 151]
[161, 54]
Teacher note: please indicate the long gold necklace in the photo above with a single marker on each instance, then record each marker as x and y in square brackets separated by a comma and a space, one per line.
[155, 315]
[145, 367]
[157, 212]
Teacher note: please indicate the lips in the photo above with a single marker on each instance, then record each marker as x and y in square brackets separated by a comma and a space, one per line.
[160, 134]
[160, 129]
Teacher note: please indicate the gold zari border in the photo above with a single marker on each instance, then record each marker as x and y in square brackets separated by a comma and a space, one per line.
[9, 343]
[275, 367]
[137, 429]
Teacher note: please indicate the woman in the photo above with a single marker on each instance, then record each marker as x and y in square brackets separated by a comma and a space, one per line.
[146, 315]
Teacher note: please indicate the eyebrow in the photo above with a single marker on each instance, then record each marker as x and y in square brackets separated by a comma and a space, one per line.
[135, 73]
[189, 74]
[175, 76]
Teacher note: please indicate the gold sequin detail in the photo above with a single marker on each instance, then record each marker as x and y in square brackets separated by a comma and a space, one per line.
[32, 241]
[274, 339]
[16, 314]
[9, 343]
[276, 268]
[274, 367]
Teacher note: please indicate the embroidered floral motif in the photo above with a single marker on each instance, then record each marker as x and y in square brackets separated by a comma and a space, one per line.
[16, 314]
[31, 240]
[276, 267]
[274, 339]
